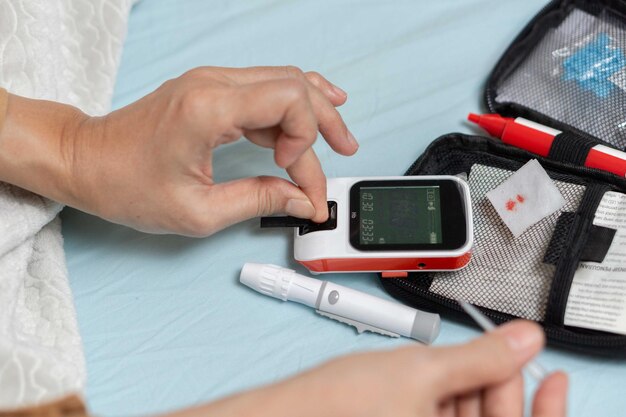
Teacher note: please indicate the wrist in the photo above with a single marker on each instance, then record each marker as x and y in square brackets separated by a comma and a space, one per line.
[37, 144]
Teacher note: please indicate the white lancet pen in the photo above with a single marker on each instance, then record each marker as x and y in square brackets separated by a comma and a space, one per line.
[361, 310]
[533, 368]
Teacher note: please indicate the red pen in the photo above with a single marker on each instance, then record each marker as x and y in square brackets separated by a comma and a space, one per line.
[537, 138]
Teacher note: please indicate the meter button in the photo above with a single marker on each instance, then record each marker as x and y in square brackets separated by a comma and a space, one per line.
[330, 224]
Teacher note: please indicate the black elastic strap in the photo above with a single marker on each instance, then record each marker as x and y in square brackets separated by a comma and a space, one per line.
[595, 249]
[560, 238]
[579, 232]
[570, 148]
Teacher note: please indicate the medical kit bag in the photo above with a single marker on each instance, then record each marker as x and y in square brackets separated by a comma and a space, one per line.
[567, 272]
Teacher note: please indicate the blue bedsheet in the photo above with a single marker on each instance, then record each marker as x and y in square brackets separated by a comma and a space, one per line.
[165, 322]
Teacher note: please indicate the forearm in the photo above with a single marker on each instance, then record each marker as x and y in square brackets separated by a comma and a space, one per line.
[37, 146]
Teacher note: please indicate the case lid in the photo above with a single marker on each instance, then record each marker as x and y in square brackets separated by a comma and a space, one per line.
[567, 70]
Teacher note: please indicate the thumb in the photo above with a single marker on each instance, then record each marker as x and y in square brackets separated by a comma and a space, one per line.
[234, 201]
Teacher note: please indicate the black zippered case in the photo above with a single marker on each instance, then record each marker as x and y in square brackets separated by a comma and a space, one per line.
[564, 70]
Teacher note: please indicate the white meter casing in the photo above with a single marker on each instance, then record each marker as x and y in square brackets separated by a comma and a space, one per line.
[393, 225]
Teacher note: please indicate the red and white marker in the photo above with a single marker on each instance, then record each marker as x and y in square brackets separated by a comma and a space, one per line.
[538, 139]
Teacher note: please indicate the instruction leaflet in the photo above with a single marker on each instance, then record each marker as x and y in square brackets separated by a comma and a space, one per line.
[597, 299]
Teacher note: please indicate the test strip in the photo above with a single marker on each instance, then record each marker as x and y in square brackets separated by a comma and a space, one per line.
[533, 368]
[283, 221]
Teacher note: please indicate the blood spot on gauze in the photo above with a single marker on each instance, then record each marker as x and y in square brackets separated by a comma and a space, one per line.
[526, 197]
[510, 205]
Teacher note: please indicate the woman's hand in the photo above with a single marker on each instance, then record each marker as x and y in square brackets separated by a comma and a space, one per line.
[149, 165]
[480, 378]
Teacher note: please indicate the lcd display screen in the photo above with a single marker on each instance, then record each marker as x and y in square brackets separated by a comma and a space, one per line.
[400, 215]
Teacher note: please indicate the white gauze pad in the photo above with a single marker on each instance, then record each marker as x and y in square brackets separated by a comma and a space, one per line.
[526, 197]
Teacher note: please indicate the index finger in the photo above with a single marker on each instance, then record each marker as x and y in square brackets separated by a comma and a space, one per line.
[324, 97]
[264, 73]
[491, 359]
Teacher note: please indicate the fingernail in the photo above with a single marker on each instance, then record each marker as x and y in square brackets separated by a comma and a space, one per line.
[352, 139]
[524, 339]
[339, 91]
[300, 208]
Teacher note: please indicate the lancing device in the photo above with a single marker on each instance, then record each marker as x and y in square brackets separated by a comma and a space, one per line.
[363, 311]
[533, 368]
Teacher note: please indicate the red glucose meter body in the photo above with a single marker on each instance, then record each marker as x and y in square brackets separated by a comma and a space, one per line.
[393, 225]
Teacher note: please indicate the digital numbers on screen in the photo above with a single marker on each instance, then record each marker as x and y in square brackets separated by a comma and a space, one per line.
[367, 230]
[400, 215]
[367, 202]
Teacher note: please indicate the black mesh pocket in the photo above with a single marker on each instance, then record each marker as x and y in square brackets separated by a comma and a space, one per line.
[574, 73]
[506, 274]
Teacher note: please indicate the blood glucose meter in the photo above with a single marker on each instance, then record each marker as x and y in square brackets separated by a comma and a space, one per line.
[392, 225]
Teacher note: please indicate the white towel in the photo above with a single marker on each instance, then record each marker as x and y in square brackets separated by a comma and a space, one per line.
[67, 51]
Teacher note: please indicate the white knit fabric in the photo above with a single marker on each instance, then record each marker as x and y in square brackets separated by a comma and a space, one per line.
[68, 51]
